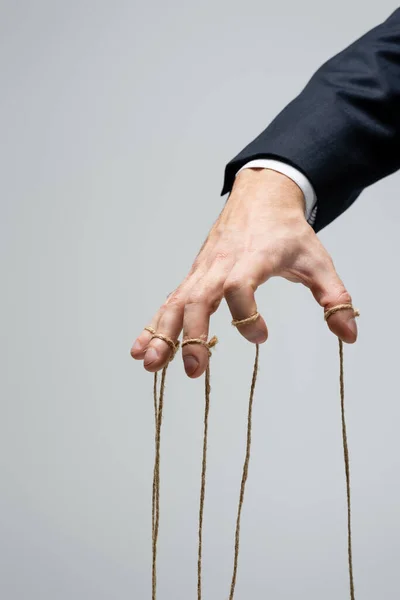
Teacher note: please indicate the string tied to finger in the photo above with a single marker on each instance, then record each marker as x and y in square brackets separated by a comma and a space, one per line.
[211, 343]
[160, 336]
[158, 404]
[150, 329]
[327, 315]
[207, 344]
[158, 414]
[238, 323]
[246, 321]
[339, 307]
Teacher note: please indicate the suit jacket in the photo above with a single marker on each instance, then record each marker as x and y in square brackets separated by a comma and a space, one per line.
[343, 130]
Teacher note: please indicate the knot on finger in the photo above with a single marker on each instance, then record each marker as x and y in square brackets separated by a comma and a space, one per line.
[246, 321]
[339, 307]
[210, 344]
[160, 336]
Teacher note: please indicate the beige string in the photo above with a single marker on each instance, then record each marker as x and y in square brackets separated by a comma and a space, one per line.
[153, 504]
[236, 323]
[150, 329]
[156, 478]
[173, 345]
[251, 319]
[158, 413]
[328, 314]
[245, 474]
[158, 410]
[339, 307]
[210, 344]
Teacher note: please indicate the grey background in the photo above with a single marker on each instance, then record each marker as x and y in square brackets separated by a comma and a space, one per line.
[117, 119]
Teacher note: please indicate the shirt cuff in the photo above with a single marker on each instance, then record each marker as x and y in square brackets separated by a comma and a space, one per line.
[298, 177]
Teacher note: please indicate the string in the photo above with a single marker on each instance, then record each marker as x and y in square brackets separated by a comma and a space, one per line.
[154, 487]
[347, 470]
[328, 314]
[251, 319]
[244, 474]
[210, 344]
[156, 479]
[158, 413]
[153, 504]
[339, 307]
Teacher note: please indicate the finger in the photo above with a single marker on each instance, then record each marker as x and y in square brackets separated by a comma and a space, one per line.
[160, 351]
[329, 291]
[140, 346]
[203, 300]
[239, 291]
[199, 267]
[141, 343]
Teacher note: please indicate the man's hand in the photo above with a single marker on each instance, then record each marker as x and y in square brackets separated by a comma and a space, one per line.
[261, 233]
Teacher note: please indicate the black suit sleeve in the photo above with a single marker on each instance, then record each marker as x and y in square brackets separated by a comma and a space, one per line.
[343, 130]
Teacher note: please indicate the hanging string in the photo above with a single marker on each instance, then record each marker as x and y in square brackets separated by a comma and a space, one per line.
[154, 488]
[210, 344]
[236, 323]
[158, 413]
[244, 475]
[153, 504]
[328, 314]
[156, 482]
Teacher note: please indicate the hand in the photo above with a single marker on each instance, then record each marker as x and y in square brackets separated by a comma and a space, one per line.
[261, 233]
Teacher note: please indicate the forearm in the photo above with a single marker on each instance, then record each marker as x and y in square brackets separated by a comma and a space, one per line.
[343, 130]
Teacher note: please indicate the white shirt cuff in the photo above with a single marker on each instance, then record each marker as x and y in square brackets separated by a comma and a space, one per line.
[299, 178]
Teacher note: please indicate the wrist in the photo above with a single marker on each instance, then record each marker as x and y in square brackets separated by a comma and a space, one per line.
[272, 189]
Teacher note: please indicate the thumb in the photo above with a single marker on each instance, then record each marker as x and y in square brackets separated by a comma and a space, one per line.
[329, 291]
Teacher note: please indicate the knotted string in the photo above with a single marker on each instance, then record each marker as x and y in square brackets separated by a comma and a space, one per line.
[210, 344]
[156, 475]
[158, 413]
[158, 410]
[328, 314]
[251, 319]
[236, 323]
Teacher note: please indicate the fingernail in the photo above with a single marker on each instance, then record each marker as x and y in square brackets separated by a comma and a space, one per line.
[352, 325]
[191, 363]
[137, 346]
[258, 337]
[150, 356]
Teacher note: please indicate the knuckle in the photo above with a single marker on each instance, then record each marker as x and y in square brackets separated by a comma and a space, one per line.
[324, 261]
[233, 285]
[214, 305]
[175, 299]
[199, 297]
[196, 264]
[170, 294]
[220, 255]
[336, 296]
[343, 296]
[320, 263]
